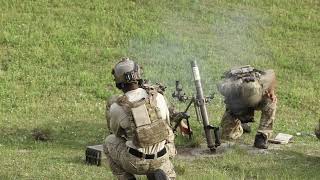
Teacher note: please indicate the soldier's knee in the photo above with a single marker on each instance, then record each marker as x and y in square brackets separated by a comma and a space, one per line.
[110, 141]
[109, 138]
[236, 135]
[231, 130]
[233, 135]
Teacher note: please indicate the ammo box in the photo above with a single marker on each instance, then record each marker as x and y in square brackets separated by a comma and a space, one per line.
[95, 155]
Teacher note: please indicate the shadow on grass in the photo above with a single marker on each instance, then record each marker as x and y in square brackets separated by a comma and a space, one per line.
[75, 160]
[240, 163]
[284, 164]
[299, 165]
[68, 134]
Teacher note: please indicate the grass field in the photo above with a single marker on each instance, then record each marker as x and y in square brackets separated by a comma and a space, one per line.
[55, 74]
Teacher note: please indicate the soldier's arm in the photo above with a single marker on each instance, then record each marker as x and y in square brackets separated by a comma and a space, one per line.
[109, 102]
[177, 117]
[170, 141]
[117, 120]
[268, 81]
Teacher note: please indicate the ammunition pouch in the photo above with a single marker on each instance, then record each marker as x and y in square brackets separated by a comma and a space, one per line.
[150, 134]
[149, 128]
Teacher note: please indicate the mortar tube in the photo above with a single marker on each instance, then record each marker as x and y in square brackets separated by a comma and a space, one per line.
[200, 100]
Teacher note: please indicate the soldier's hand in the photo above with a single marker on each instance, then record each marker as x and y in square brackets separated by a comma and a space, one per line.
[271, 94]
[184, 128]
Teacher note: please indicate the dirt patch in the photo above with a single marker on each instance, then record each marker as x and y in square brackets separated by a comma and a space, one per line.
[41, 134]
[204, 152]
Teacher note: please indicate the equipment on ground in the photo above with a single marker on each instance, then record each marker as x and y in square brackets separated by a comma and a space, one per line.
[261, 141]
[94, 154]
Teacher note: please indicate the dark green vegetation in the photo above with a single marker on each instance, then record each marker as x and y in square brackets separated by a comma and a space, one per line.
[56, 59]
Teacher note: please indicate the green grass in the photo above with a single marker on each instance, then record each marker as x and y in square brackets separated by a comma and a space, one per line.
[55, 73]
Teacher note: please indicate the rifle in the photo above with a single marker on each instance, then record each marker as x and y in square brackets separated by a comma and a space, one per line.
[198, 102]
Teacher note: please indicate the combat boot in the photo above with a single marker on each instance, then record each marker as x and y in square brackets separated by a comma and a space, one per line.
[261, 141]
[246, 127]
[157, 175]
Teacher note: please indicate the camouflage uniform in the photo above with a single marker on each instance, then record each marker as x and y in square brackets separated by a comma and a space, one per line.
[231, 125]
[238, 111]
[123, 164]
[317, 130]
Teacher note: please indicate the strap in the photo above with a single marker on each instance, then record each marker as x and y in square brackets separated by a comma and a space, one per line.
[152, 95]
[248, 73]
[124, 101]
[147, 156]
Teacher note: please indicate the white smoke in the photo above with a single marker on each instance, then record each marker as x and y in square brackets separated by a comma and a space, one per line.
[226, 38]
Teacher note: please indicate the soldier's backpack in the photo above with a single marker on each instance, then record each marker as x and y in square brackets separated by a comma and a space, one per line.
[149, 127]
[241, 87]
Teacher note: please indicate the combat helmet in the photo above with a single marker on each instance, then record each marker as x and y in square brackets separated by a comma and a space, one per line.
[126, 71]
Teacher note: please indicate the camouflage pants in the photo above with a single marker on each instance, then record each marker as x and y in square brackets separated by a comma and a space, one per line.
[124, 165]
[231, 126]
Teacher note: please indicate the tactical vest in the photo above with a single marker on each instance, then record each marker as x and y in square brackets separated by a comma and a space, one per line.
[148, 126]
[241, 88]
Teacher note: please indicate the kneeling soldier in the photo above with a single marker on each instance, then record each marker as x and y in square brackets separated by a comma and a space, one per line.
[245, 90]
[142, 140]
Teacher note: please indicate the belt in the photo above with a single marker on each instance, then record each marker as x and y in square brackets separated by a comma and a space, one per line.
[147, 156]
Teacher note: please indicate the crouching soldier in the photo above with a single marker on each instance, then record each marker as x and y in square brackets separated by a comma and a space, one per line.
[317, 130]
[246, 90]
[141, 141]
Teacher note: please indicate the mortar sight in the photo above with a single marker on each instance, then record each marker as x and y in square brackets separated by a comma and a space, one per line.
[178, 93]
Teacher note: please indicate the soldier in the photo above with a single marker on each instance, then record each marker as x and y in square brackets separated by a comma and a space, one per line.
[141, 141]
[246, 90]
[317, 130]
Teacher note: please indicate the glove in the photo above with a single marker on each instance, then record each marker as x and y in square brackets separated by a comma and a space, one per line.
[184, 128]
